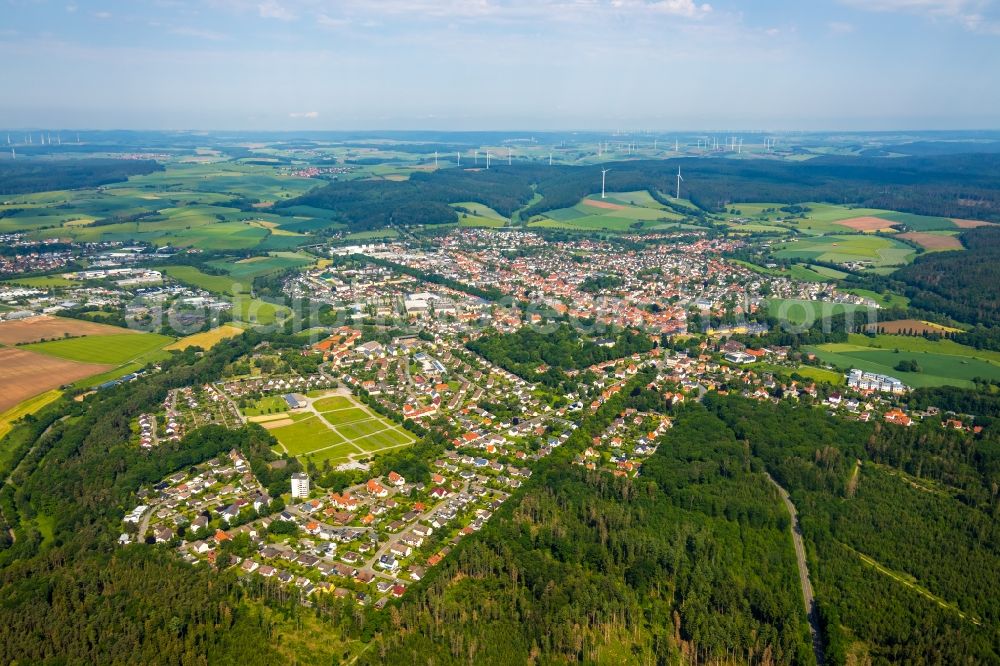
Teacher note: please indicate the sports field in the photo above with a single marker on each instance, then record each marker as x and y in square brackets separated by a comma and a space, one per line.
[337, 428]
[941, 362]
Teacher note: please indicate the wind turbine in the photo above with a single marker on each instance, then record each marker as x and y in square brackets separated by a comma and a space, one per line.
[458, 156]
[679, 179]
[435, 159]
[488, 159]
[676, 146]
[509, 153]
[13, 155]
[550, 159]
[604, 172]
[476, 157]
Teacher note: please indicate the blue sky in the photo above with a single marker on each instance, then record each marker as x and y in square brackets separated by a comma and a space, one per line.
[500, 64]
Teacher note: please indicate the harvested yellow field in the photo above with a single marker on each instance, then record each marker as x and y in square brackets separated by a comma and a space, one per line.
[208, 339]
[264, 418]
[280, 423]
[29, 406]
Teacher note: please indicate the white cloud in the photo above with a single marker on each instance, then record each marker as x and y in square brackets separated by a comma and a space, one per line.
[309, 115]
[102, 15]
[840, 27]
[970, 14]
[331, 22]
[685, 8]
[276, 10]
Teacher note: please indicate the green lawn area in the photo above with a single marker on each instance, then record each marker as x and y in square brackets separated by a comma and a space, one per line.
[374, 234]
[921, 344]
[105, 349]
[333, 402]
[382, 440]
[942, 363]
[346, 415]
[217, 284]
[245, 270]
[886, 300]
[306, 436]
[799, 311]
[44, 282]
[358, 429]
[271, 404]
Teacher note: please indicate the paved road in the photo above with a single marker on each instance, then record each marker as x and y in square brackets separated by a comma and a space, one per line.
[800, 557]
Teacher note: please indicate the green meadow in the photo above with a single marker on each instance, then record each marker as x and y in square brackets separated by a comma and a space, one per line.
[798, 311]
[874, 250]
[104, 349]
[942, 362]
[631, 211]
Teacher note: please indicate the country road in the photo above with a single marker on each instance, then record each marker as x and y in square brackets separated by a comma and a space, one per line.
[800, 559]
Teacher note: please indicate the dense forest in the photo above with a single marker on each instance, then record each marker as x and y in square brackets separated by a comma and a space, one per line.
[562, 349]
[895, 519]
[964, 186]
[962, 285]
[24, 176]
[692, 560]
[72, 596]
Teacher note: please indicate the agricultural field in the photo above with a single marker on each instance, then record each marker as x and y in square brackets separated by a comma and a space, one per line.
[29, 406]
[941, 362]
[472, 214]
[44, 327]
[801, 312]
[619, 211]
[25, 374]
[245, 270]
[184, 206]
[106, 349]
[206, 340]
[875, 251]
[341, 429]
[934, 241]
